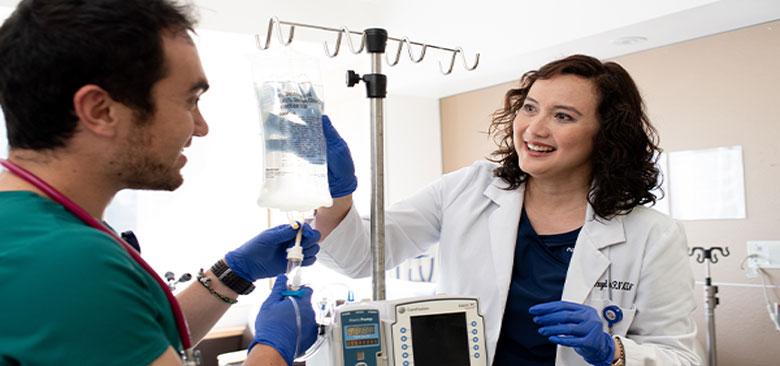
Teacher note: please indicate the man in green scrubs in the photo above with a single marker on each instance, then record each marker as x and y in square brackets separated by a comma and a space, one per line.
[100, 96]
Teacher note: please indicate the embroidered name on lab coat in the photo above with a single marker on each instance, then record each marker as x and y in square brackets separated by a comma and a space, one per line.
[615, 285]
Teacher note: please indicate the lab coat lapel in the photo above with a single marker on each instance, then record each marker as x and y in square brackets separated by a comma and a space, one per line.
[503, 224]
[588, 263]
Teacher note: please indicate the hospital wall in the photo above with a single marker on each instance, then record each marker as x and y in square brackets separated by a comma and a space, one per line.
[721, 90]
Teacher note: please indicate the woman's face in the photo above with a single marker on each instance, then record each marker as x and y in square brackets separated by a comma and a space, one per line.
[555, 128]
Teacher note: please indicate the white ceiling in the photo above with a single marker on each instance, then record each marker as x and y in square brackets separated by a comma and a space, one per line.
[511, 36]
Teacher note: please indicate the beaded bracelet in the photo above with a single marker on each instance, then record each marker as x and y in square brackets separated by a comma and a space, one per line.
[206, 283]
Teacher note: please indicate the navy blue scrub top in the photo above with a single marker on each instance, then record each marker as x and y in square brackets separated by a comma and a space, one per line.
[538, 275]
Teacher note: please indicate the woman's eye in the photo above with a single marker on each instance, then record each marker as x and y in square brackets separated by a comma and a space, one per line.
[528, 108]
[563, 117]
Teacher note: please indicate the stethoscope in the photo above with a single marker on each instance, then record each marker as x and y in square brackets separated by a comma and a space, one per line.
[81, 214]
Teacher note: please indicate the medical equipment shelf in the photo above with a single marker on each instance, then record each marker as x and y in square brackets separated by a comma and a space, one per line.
[374, 40]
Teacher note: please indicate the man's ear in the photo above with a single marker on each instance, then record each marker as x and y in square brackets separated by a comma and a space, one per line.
[97, 111]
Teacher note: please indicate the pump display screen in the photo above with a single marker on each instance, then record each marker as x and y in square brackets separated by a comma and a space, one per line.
[362, 335]
[361, 330]
[440, 340]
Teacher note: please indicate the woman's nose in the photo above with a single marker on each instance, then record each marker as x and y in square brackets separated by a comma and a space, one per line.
[537, 126]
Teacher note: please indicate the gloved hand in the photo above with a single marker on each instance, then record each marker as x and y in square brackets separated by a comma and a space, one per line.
[341, 169]
[276, 324]
[577, 326]
[266, 254]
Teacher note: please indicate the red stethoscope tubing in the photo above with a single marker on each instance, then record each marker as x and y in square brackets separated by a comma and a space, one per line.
[80, 213]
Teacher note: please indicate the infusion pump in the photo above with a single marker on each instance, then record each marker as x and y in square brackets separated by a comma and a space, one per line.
[422, 331]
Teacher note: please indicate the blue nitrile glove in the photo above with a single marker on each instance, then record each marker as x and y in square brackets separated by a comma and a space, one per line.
[341, 169]
[266, 254]
[277, 322]
[577, 326]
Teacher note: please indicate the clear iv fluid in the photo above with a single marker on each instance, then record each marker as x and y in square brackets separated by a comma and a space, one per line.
[294, 123]
[295, 176]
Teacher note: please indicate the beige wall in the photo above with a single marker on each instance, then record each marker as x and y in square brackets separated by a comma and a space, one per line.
[716, 91]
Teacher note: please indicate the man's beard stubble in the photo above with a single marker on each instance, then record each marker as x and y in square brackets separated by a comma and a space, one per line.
[135, 166]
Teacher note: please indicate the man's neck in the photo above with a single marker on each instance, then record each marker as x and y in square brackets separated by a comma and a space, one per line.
[78, 181]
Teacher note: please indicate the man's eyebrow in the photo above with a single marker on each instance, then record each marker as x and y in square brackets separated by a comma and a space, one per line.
[201, 86]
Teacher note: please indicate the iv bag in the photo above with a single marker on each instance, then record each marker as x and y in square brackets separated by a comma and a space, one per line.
[295, 172]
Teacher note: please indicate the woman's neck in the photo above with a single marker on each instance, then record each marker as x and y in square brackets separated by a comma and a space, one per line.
[555, 208]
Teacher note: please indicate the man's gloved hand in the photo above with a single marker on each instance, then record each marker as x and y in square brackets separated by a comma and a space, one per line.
[341, 169]
[277, 326]
[577, 326]
[266, 254]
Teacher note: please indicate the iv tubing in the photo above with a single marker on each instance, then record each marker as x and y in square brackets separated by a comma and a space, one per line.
[297, 323]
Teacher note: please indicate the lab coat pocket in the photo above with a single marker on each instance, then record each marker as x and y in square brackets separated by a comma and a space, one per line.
[620, 328]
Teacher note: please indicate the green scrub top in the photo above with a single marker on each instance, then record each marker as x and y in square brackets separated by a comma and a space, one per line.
[71, 295]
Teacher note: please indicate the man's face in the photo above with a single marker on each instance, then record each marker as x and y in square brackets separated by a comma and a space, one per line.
[151, 157]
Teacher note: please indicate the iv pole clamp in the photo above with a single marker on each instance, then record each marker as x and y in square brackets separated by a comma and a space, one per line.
[376, 90]
[711, 300]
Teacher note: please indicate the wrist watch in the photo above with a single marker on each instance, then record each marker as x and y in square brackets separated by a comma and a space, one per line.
[230, 279]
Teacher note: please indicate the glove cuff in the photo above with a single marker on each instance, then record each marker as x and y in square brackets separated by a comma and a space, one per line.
[232, 262]
[344, 187]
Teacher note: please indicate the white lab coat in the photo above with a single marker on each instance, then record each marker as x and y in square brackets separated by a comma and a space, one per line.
[475, 222]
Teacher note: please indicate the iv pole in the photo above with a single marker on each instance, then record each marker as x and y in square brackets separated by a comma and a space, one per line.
[711, 300]
[375, 41]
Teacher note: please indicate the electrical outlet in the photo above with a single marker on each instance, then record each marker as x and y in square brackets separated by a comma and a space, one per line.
[763, 254]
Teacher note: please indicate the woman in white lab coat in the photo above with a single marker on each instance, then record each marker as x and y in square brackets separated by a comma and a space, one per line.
[570, 268]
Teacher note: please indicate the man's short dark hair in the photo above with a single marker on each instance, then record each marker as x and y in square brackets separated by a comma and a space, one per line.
[51, 48]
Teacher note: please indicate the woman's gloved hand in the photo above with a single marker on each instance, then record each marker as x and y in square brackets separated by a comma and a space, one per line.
[276, 324]
[577, 326]
[341, 169]
[266, 254]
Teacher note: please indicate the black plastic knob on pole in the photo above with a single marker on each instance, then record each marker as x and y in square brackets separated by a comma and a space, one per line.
[376, 40]
[376, 84]
[352, 78]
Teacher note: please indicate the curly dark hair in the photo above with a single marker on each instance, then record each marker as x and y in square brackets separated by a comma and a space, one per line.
[625, 149]
[51, 48]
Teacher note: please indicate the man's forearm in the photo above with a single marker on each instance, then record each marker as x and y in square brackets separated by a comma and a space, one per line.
[327, 218]
[201, 308]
